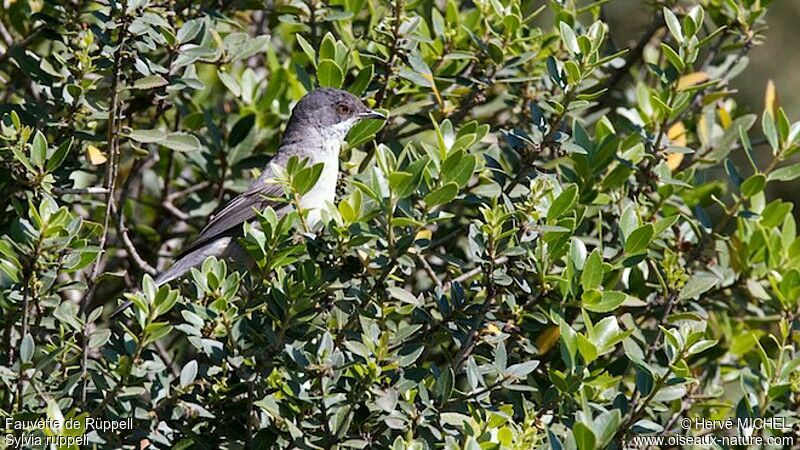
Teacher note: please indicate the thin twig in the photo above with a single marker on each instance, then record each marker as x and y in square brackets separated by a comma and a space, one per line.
[636, 52]
[112, 143]
[172, 209]
[388, 67]
[20, 45]
[429, 270]
[472, 336]
[122, 229]
[92, 190]
[470, 273]
[189, 190]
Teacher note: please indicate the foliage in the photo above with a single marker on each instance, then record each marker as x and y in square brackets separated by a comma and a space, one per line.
[552, 241]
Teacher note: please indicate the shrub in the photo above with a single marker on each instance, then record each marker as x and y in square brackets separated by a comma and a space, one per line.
[553, 240]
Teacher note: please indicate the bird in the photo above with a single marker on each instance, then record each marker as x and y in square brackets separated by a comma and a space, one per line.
[316, 130]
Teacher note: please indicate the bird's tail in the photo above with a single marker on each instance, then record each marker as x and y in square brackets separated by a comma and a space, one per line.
[194, 258]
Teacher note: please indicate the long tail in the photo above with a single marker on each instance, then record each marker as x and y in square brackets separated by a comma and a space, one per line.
[194, 258]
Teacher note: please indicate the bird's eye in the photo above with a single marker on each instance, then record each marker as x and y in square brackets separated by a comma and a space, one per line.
[342, 109]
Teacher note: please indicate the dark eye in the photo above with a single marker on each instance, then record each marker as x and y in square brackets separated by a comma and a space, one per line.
[343, 109]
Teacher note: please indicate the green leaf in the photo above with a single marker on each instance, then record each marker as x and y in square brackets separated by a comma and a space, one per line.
[573, 74]
[673, 57]
[522, 370]
[593, 272]
[306, 178]
[577, 253]
[181, 142]
[501, 357]
[399, 179]
[443, 386]
[673, 24]
[604, 302]
[188, 373]
[54, 162]
[26, 348]
[569, 339]
[250, 47]
[55, 415]
[39, 150]
[165, 300]
[753, 185]
[770, 131]
[361, 83]
[663, 224]
[458, 168]
[701, 346]
[147, 136]
[587, 350]
[569, 38]
[563, 203]
[230, 82]
[156, 331]
[774, 213]
[409, 358]
[639, 239]
[308, 49]
[762, 354]
[189, 30]
[697, 285]
[329, 74]
[99, 338]
[605, 427]
[443, 195]
[22, 159]
[364, 131]
[241, 129]
[584, 436]
[787, 173]
[404, 296]
[150, 82]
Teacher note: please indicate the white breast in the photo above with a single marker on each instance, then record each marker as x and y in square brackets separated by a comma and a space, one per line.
[324, 192]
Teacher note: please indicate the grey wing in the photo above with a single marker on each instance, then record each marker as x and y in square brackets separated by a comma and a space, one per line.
[239, 210]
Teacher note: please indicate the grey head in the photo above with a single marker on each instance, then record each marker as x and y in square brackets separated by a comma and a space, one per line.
[328, 111]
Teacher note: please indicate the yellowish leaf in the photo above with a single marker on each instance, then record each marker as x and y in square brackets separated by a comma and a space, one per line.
[95, 155]
[423, 234]
[492, 329]
[725, 118]
[677, 134]
[547, 338]
[674, 160]
[771, 102]
[692, 79]
[702, 131]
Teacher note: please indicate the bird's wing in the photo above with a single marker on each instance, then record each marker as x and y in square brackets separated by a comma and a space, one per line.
[239, 210]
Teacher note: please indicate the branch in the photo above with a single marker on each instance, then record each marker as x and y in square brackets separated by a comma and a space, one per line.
[429, 270]
[635, 54]
[471, 273]
[112, 143]
[547, 141]
[129, 247]
[188, 191]
[469, 344]
[388, 67]
[21, 45]
[92, 190]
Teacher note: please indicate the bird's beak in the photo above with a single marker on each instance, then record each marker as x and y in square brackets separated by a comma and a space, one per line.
[370, 114]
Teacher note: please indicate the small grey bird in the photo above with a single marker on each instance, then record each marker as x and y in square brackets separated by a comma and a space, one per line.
[316, 130]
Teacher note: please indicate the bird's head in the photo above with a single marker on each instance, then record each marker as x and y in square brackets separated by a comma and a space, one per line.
[332, 112]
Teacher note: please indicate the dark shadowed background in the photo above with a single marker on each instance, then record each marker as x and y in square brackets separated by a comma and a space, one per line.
[777, 58]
